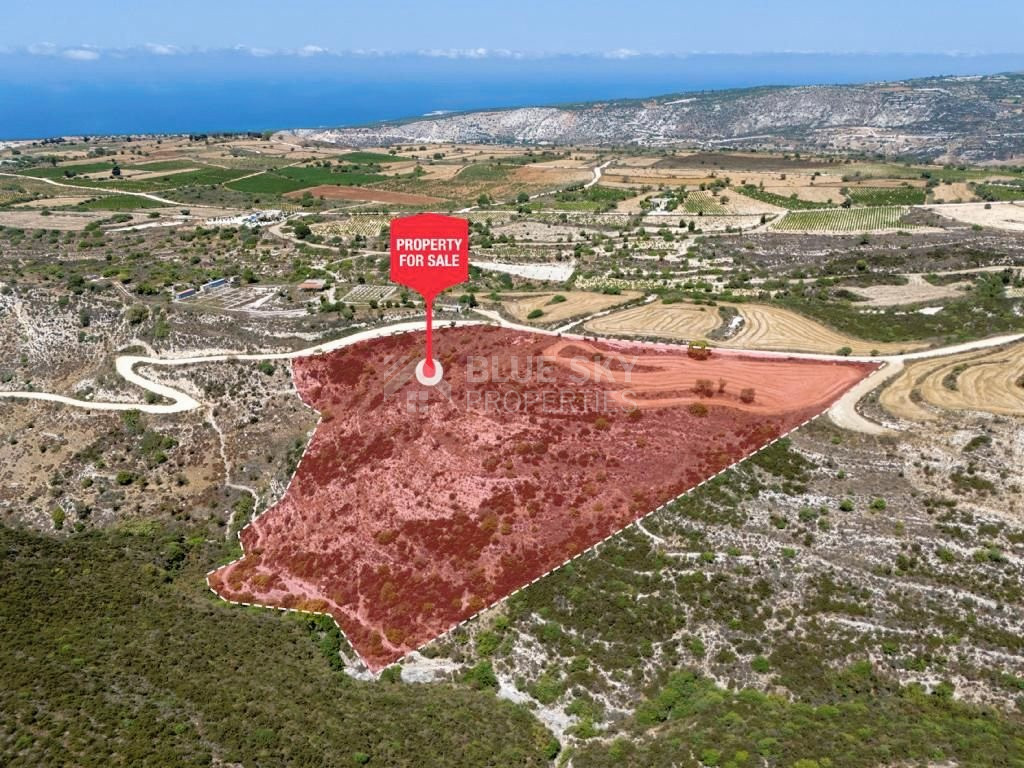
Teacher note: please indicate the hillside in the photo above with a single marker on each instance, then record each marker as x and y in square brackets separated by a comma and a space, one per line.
[975, 119]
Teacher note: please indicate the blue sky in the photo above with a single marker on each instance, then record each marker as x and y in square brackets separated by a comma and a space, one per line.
[85, 29]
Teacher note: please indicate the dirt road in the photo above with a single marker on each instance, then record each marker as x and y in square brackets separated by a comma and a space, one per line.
[843, 412]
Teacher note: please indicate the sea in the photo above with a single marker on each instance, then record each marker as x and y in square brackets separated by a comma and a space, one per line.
[230, 91]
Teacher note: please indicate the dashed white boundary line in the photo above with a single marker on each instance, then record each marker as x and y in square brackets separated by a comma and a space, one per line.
[592, 548]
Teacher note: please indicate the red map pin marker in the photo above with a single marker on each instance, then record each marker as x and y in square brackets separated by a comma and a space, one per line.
[429, 253]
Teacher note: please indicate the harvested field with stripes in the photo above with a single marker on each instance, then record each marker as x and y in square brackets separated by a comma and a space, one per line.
[991, 381]
[761, 327]
[576, 304]
[680, 322]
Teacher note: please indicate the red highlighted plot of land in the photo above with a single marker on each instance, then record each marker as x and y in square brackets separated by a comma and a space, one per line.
[415, 507]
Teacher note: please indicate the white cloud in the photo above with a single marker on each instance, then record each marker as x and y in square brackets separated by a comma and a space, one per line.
[162, 50]
[80, 54]
[258, 52]
[472, 53]
[311, 50]
[42, 49]
[622, 53]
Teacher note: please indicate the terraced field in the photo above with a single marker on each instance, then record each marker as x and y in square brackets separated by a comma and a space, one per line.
[844, 220]
[991, 381]
[762, 327]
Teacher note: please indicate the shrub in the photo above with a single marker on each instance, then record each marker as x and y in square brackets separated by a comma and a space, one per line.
[747, 395]
[699, 350]
[534, 314]
[704, 387]
[697, 409]
[481, 676]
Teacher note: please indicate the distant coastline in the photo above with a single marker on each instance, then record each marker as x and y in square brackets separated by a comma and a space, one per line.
[228, 91]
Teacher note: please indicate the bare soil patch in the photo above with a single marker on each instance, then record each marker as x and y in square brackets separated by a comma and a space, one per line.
[1008, 216]
[67, 221]
[917, 290]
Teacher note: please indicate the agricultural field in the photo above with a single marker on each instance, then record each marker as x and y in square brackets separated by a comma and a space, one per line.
[364, 225]
[117, 202]
[70, 171]
[1000, 192]
[844, 220]
[366, 194]
[886, 196]
[790, 202]
[749, 326]
[363, 294]
[916, 290]
[371, 158]
[286, 180]
[992, 382]
[546, 308]
[680, 322]
[703, 203]
[163, 180]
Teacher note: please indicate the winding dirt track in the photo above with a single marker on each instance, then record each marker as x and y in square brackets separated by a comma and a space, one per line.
[843, 412]
[181, 401]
